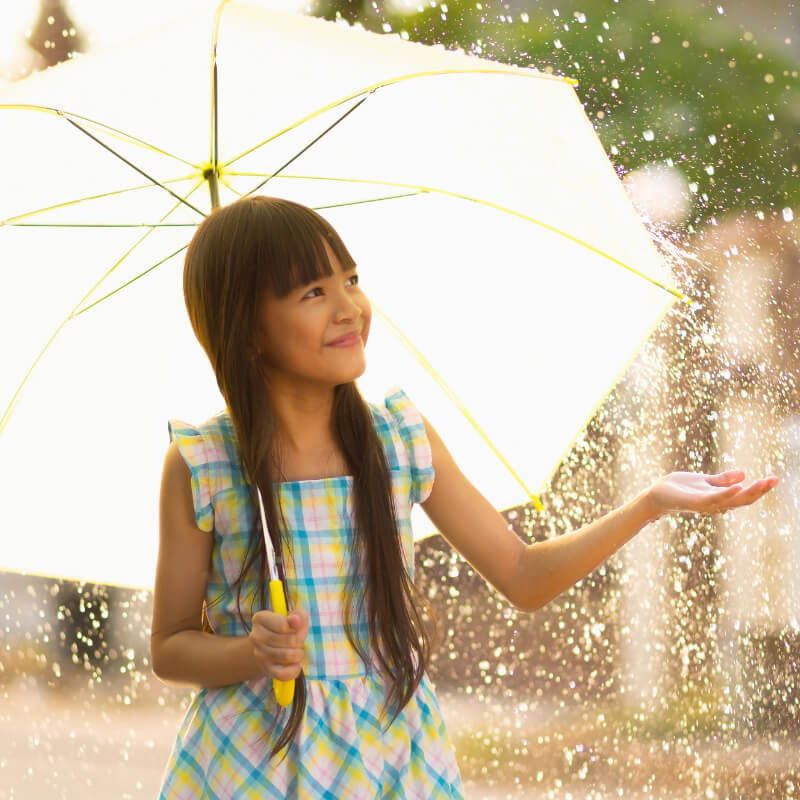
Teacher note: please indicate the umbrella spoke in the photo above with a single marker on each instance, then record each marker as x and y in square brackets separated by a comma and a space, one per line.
[101, 126]
[104, 225]
[496, 207]
[331, 205]
[13, 220]
[77, 311]
[454, 399]
[15, 398]
[368, 200]
[310, 144]
[128, 283]
[132, 165]
[230, 185]
[370, 89]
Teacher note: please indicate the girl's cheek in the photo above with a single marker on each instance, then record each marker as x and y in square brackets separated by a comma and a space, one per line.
[366, 319]
[367, 314]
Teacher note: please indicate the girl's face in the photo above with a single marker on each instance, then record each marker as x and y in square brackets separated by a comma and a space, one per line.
[297, 334]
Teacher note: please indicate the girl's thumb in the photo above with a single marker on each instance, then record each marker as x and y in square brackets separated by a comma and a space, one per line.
[296, 619]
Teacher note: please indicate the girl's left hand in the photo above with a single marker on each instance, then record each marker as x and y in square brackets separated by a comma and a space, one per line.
[705, 494]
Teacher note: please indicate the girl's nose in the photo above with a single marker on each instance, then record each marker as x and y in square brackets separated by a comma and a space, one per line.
[348, 311]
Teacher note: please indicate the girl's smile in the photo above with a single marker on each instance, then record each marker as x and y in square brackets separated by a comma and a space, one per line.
[346, 341]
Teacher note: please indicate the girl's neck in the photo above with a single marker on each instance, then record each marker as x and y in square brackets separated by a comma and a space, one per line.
[302, 419]
[321, 458]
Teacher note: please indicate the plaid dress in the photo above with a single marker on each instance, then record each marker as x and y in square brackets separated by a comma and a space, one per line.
[341, 751]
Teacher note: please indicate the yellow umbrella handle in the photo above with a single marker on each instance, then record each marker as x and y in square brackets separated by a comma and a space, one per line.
[284, 690]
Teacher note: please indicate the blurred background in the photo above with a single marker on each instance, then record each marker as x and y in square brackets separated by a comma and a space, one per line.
[671, 671]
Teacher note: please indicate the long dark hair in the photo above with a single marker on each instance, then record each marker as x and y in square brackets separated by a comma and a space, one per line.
[239, 252]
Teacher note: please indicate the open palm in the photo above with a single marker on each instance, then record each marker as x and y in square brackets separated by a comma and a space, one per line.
[707, 494]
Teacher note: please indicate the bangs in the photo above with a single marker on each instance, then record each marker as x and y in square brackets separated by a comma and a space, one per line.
[292, 251]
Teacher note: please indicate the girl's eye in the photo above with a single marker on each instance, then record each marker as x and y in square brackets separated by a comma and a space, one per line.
[310, 292]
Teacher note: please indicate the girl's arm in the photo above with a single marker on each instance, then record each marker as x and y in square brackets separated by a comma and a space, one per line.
[529, 576]
[181, 652]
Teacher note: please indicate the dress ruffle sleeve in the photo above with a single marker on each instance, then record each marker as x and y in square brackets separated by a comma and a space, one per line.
[412, 431]
[196, 455]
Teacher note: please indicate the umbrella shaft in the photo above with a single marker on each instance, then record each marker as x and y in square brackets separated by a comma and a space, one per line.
[213, 186]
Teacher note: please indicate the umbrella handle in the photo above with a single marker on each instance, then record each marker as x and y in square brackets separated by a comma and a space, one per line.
[284, 690]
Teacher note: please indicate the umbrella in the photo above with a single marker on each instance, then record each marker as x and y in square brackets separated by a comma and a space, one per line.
[511, 277]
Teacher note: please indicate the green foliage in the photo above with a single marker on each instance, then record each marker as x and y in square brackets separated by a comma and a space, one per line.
[661, 85]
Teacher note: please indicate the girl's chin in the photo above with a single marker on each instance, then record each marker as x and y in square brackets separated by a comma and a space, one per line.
[349, 375]
[358, 372]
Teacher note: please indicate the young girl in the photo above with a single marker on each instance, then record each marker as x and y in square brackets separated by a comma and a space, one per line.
[274, 299]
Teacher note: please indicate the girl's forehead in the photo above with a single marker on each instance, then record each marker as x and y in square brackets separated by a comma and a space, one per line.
[333, 260]
[329, 270]
[326, 272]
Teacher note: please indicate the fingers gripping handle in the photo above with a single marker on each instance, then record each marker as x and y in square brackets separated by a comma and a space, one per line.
[284, 690]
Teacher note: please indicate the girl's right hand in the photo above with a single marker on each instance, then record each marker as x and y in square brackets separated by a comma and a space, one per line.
[278, 642]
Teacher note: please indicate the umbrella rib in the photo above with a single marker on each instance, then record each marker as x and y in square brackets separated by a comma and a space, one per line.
[131, 249]
[503, 209]
[389, 82]
[6, 416]
[230, 185]
[128, 283]
[370, 200]
[104, 225]
[453, 397]
[132, 165]
[115, 132]
[12, 220]
[310, 144]
[331, 205]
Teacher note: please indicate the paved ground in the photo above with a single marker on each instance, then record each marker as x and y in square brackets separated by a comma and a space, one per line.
[54, 747]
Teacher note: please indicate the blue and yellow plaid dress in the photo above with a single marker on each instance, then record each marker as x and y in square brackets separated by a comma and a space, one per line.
[342, 751]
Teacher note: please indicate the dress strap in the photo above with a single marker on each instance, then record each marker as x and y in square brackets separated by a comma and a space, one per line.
[194, 450]
[408, 425]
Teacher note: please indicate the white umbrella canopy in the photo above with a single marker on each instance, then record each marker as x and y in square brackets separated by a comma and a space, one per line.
[511, 277]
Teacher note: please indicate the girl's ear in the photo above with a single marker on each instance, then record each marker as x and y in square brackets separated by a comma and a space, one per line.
[253, 350]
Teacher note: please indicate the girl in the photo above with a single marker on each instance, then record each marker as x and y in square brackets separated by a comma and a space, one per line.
[273, 297]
